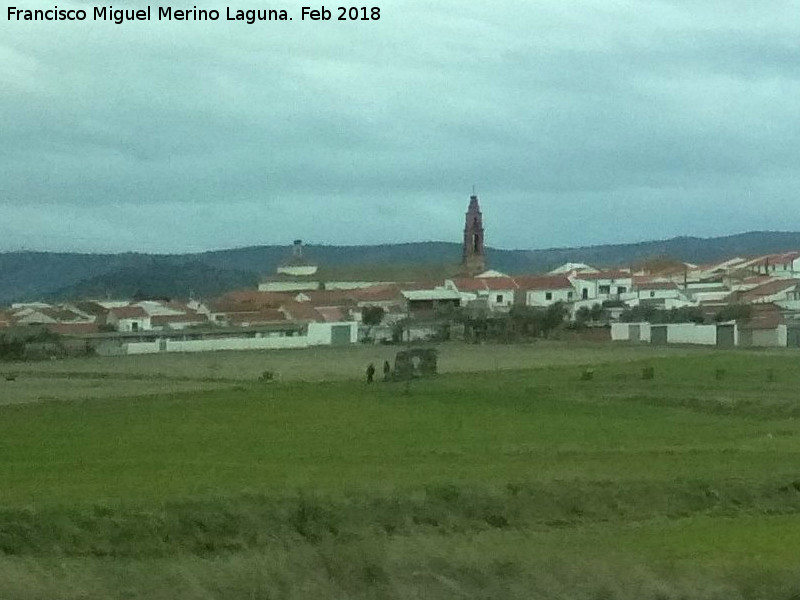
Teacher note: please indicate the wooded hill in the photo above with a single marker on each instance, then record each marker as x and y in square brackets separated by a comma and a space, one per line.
[54, 276]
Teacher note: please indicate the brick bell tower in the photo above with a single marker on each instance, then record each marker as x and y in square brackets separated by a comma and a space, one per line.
[473, 260]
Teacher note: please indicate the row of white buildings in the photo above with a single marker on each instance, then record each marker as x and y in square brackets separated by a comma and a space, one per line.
[293, 305]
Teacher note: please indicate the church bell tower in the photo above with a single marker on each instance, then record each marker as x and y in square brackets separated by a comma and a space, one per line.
[473, 260]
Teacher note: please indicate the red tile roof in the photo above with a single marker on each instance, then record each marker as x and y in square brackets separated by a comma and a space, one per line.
[764, 316]
[267, 315]
[184, 318]
[332, 314]
[128, 312]
[378, 293]
[328, 297]
[762, 291]
[783, 258]
[469, 284]
[301, 311]
[248, 300]
[61, 314]
[500, 284]
[73, 328]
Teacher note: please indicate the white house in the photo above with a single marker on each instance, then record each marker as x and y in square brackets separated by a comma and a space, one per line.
[785, 264]
[546, 290]
[777, 290]
[603, 285]
[498, 292]
[657, 290]
[129, 318]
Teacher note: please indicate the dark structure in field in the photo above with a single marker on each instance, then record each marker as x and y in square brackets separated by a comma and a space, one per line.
[415, 362]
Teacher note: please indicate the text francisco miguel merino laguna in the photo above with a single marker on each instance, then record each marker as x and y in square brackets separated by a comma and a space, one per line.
[167, 13]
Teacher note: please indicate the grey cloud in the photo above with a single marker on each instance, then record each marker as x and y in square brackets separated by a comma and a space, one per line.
[580, 122]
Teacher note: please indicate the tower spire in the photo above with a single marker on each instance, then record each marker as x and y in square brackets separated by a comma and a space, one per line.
[473, 260]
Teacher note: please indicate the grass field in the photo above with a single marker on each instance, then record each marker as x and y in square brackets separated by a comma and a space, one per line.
[506, 477]
[334, 364]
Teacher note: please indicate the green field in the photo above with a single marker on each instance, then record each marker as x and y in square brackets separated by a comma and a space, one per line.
[505, 477]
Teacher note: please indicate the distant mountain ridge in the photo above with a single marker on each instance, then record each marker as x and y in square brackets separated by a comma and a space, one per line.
[26, 276]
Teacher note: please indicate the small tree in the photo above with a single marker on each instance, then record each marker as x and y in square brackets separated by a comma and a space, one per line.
[372, 315]
[583, 314]
[597, 313]
[734, 312]
[554, 317]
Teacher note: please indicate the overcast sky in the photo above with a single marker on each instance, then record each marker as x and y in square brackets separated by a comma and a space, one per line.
[579, 123]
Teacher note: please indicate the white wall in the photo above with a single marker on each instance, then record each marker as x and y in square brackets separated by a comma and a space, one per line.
[506, 302]
[140, 347]
[689, 333]
[589, 285]
[769, 338]
[657, 294]
[209, 345]
[539, 297]
[143, 324]
[321, 334]
[237, 343]
[708, 296]
[594, 287]
[620, 332]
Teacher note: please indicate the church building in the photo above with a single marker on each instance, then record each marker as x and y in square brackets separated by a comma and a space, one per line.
[473, 260]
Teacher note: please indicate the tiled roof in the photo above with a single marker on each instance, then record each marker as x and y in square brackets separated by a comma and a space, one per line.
[128, 312]
[543, 282]
[73, 328]
[500, 284]
[301, 311]
[247, 300]
[328, 297]
[378, 293]
[469, 284]
[184, 318]
[332, 314]
[757, 279]
[267, 315]
[763, 316]
[60, 314]
[765, 290]
[782, 258]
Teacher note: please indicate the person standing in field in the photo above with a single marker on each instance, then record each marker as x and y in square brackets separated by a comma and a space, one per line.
[370, 372]
[387, 370]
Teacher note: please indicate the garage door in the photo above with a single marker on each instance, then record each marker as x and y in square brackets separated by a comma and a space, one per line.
[340, 335]
[725, 336]
[658, 334]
